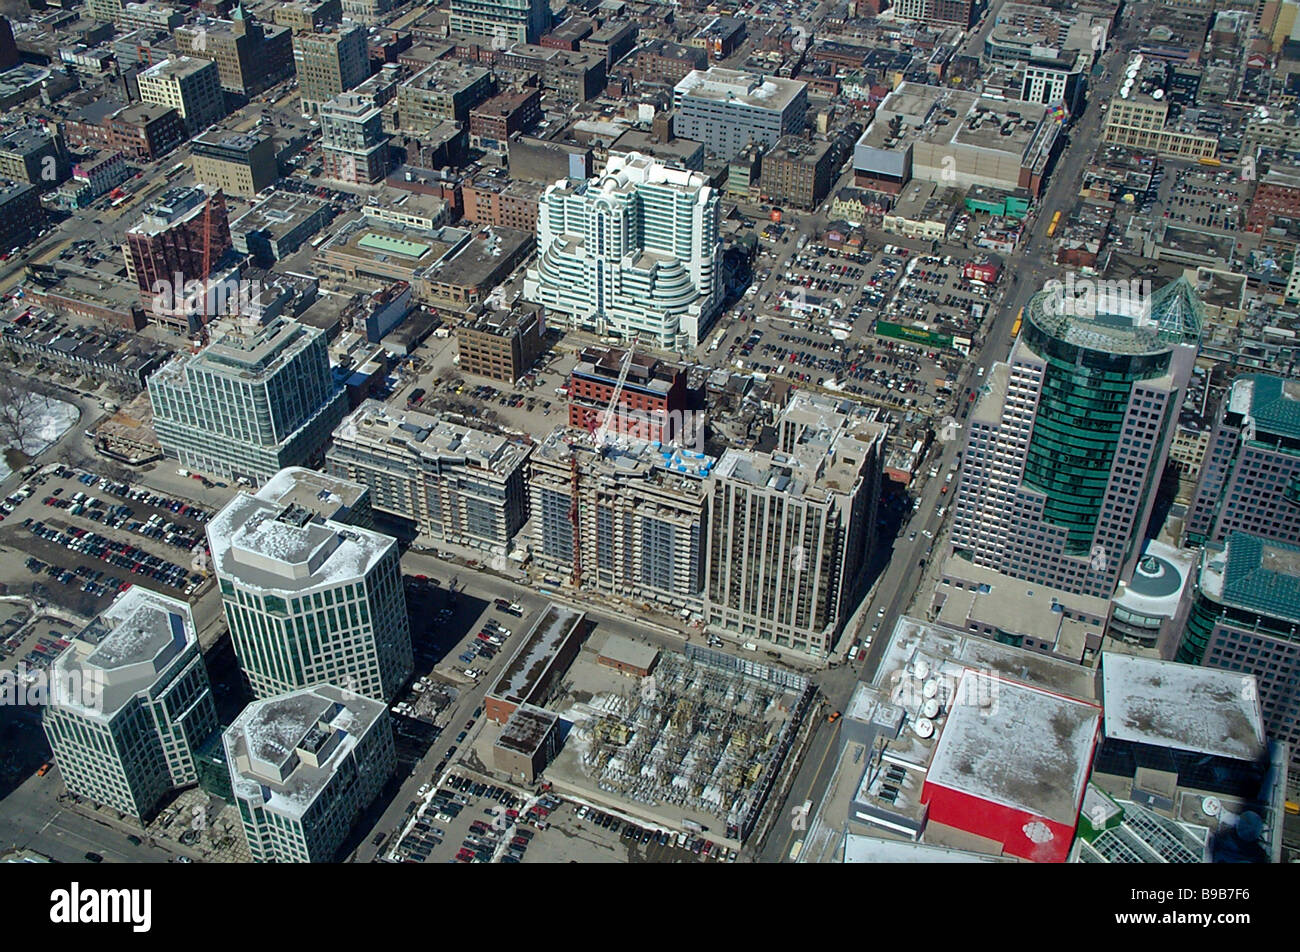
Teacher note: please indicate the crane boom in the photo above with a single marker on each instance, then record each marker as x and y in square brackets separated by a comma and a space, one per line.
[618, 392]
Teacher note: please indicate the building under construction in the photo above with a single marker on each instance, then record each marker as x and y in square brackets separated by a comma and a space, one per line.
[625, 520]
[179, 240]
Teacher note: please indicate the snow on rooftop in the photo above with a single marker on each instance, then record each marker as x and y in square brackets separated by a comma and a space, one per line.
[1028, 749]
[1166, 704]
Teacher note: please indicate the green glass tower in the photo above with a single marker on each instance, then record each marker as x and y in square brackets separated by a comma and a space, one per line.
[1068, 442]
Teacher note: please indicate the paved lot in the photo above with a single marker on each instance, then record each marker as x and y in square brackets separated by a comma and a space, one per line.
[118, 537]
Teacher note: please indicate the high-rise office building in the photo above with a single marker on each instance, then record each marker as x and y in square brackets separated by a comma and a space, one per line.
[642, 516]
[190, 85]
[519, 21]
[1068, 441]
[791, 530]
[303, 767]
[309, 599]
[329, 62]
[1250, 478]
[452, 483]
[257, 399]
[727, 109]
[634, 253]
[1246, 617]
[130, 703]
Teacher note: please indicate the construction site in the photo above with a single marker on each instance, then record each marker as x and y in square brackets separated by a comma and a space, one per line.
[696, 745]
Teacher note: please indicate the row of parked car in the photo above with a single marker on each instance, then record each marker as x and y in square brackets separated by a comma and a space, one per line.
[120, 516]
[698, 845]
[120, 554]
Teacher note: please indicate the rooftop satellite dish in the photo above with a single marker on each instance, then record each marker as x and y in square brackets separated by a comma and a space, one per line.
[1211, 806]
[930, 709]
[921, 669]
[931, 688]
[924, 728]
[1158, 94]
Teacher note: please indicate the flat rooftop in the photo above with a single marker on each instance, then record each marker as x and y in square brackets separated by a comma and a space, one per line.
[266, 547]
[830, 440]
[526, 729]
[283, 751]
[735, 86]
[320, 493]
[121, 653]
[1028, 749]
[537, 653]
[1165, 704]
[624, 650]
[432, 437]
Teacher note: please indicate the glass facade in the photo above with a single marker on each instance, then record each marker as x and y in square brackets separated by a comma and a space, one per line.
[1078, 428]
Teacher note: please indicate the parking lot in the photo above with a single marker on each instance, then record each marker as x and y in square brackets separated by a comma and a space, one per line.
[86, 538]
[812, 317]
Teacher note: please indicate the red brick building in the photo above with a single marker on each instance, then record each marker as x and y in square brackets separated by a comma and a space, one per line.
[492, 123]
[1276, 196]
[488, 201]
[145, 131]
[660, 61]
[651, 406]
[169, 242]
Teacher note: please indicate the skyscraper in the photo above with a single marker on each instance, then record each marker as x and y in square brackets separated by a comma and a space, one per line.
[130, 703]
[1246, 617]
[635, 252]
[309, 599]
[518, 21]
[1068, 440]
[1250, 479]
[790, 531]
[257, 399]
[303, 767]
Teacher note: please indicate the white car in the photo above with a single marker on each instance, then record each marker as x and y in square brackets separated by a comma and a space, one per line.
[928, 534]
[881, 613]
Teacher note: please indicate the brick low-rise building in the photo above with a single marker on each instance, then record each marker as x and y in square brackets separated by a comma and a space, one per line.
[501, 345]
[489, 201]
[653, 400]
[492, 123]
[799, 173]
[142, 131]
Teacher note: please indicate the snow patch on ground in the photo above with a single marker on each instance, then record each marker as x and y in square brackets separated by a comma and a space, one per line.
[55, 418]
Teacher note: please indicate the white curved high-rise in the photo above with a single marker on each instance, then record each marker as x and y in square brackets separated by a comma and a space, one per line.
[633, 252]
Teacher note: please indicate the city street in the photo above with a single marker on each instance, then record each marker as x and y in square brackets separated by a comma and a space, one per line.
[896, 589]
